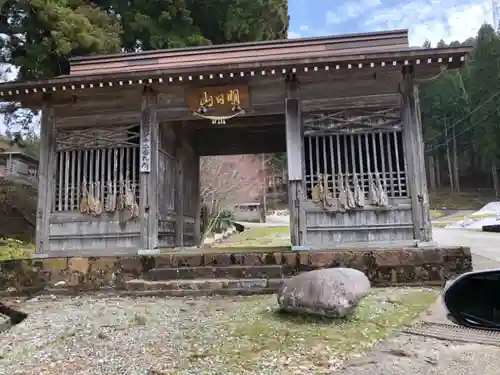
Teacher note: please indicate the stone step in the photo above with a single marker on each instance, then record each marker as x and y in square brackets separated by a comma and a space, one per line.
[218, 272]
[196, 287]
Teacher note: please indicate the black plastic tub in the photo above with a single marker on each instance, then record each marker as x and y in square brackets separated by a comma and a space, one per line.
[495, 228]
[15, 316]
[473, 299]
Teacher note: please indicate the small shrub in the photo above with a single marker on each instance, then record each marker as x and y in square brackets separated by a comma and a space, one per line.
[222, 221]
[11, 248]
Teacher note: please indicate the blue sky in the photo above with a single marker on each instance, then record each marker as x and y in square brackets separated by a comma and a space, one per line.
[426, 19]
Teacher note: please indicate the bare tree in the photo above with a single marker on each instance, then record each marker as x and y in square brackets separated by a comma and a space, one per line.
[228, 179]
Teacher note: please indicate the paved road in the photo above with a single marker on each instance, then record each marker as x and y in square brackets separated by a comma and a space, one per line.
[486, 245]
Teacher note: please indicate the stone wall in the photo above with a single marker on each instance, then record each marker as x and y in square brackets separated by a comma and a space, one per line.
[432, 266]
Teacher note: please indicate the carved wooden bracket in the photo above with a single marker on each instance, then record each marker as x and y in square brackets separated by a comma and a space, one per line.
[80, 139]
[407, 81]
[148, 89]
[352, 121]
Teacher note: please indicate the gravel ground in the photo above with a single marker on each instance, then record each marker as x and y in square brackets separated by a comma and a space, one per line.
[183, 336]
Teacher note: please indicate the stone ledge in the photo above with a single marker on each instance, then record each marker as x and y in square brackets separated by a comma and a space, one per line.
[425, 266]
[218, 272]
[202, 284]
[148, 290]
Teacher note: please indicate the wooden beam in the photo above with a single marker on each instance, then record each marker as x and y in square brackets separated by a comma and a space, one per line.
[242, 131]
[293, 133]
[425, 202]
[368, 101]
[117, 118]
[45, 178]
[148, 207]
[197, 218]
[241, 141]
[294, 146]
[237, 122]
[244, 147]
[28, 92]
[179, 185]
[414, 154]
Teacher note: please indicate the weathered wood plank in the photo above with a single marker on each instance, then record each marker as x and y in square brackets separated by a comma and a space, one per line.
[358, 226]
[148, 202]
[197, 198]
[293, 124]
[293, 139]
[412, 150]
[179, 188]
[414, 155]
[365, 102]
[426, 219]
[45, 181]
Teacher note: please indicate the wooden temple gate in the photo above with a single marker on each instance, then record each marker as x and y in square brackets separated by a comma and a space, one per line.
[122, 136]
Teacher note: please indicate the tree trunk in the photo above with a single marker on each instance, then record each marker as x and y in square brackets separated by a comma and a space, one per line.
[456, 172]
[432, 172]
[448, 159]
[478, 168]
[494, 174]
[472, 164]
[438, 173]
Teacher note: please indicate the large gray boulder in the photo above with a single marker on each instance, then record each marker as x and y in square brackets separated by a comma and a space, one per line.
[330, 292]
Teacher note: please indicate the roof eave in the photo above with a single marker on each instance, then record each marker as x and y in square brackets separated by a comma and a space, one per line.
[449, 57]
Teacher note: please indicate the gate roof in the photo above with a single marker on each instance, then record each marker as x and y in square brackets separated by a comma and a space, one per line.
[211, 63]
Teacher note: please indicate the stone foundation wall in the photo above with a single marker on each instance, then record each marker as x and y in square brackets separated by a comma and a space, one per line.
[432, 266]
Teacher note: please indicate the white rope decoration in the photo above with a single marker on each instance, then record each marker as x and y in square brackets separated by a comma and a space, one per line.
[219, 120]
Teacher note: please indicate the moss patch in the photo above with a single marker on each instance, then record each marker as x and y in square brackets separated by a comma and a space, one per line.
[436, 214]
[316, 344]
[459, 201]
[266, 236]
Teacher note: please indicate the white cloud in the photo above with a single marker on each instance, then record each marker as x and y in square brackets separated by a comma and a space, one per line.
[292, 35]
[332, 18]
[350, 10]
[434, 20]
[304, 27]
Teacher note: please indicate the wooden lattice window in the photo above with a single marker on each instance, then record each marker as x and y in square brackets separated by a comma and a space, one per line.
[101, 161]
[354, 148]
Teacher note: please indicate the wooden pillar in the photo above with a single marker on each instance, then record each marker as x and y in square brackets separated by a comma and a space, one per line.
[414, 156]
[197, 218]
[148, 207]
[294, 138]
[179, 186]
[46, 177]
